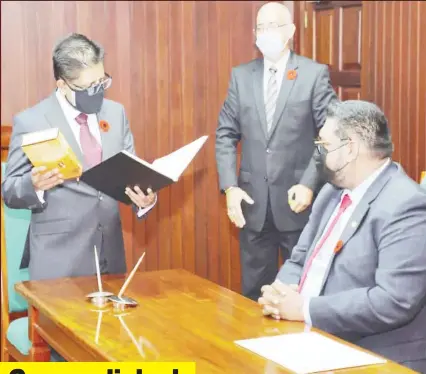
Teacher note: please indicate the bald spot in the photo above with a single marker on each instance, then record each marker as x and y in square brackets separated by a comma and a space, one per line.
[274, 13]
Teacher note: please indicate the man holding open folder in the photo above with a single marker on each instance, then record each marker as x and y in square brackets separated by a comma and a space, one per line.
[69, 217]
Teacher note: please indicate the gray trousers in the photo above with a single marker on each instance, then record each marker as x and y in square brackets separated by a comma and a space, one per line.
[260, 254]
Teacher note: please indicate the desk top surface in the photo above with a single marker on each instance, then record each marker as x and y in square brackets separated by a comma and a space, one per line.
[180, 317]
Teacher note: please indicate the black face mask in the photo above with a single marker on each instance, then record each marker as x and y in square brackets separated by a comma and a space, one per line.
[320, 155]
[88, 104]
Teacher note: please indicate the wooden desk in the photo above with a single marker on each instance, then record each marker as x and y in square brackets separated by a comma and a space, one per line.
[181, 317]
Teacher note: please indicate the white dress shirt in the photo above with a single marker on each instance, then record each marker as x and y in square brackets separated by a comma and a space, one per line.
[280, 65]
[316, 274]
[71, 114]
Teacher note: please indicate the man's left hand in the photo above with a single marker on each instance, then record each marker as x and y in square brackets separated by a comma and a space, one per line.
[282, 301]
[139, 198]
[299, 198]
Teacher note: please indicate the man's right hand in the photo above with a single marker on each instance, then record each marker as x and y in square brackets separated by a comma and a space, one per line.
[234, 196]
[43, 180]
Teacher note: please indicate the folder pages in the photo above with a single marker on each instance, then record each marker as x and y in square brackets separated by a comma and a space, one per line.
[309, 352]
[124, 169]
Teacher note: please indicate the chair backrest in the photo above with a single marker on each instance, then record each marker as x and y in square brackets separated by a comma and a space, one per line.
[14, 231]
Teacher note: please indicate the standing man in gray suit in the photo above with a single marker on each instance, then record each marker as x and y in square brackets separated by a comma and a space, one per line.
[275, 107]
[69, 217]
[359, 268]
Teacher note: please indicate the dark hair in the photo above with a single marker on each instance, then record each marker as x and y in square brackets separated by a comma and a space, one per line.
[367, 121]
[73, 54]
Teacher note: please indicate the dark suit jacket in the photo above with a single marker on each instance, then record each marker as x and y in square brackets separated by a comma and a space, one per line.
[272, 163]
[75, 216]
[374, 293]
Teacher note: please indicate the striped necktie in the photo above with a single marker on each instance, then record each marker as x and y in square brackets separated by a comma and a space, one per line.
[271, 97]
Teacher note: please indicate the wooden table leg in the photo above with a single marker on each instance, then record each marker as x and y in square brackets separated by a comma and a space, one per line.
[40, 350]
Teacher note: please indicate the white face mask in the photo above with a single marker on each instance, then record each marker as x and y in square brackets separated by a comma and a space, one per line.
[270, 44]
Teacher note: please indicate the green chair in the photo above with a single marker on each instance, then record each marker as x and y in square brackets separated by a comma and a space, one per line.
[14, 228]
[15, 340]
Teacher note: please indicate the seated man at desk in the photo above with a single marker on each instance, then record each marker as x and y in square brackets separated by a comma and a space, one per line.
[359, 268]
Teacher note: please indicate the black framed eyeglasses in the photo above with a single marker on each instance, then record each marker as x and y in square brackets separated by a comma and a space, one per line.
[320, 144]
[104, 84]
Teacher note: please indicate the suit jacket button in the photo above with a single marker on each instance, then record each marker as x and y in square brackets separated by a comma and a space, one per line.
[265, 178]
[268, 150]
[99, 227]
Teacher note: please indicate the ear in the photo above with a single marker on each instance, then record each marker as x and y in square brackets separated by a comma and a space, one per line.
[60, 83]
[354, 148]
[292, 31]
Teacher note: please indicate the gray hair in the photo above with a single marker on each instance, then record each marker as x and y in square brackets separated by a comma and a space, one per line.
[367, 121]
[73, 54]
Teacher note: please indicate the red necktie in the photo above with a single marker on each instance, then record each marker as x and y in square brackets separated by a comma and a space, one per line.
[346, 202]
[92, 150]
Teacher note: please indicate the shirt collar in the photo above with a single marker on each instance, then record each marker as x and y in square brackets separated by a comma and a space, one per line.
[280, 64]
[67, 108]
[358, 192]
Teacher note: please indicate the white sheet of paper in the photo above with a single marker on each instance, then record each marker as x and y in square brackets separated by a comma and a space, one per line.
[308, 352]
[174, 164]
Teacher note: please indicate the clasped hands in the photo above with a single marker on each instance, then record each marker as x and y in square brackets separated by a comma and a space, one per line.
[282, 301]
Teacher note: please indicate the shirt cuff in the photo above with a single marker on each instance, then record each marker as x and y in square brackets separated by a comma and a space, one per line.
[40, 195]
[142, 211]
[306, 315]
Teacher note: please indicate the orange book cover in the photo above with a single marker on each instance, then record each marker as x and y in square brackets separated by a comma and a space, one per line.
[49, 148]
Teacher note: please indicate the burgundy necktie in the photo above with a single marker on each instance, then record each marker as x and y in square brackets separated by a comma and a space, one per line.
[92, 150]
[346, 202]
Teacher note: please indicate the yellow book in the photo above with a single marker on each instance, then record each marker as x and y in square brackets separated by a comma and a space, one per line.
[423, 177]
[49, 148]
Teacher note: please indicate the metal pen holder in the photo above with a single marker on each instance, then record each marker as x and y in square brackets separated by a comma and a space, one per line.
[100, 297]
[121, 302]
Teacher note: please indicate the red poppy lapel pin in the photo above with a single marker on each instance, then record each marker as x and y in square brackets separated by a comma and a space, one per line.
[338, 247]
[104, 126]
[291, 74]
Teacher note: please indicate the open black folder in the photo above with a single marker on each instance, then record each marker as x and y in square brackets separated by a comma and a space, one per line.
[113, 175]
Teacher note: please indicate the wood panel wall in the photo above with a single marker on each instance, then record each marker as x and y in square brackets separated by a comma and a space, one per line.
[170, 62]
[394, 74]
[330, 32]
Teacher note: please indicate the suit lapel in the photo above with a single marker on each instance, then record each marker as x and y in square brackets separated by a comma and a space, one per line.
[331, 205]
[55, 116]
[258, 94]
[286, 87]
[329, 209]
[360, 212]
[105, 135]
[350, 229]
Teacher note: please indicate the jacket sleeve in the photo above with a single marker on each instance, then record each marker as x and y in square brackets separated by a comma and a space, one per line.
[17, 189]
[322, 96]
[228, 134]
